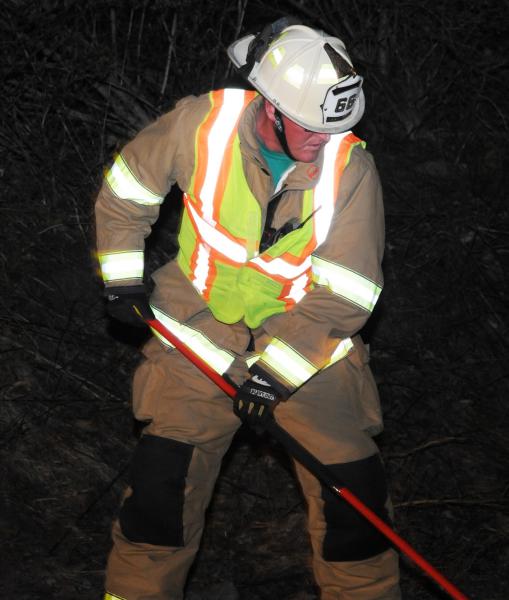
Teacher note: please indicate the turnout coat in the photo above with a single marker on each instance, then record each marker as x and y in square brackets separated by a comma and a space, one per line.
[318, 327]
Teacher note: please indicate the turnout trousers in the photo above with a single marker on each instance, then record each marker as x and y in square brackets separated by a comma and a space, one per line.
[175, 466]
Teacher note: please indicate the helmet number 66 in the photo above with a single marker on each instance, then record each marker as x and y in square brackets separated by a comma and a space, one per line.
[345, 103]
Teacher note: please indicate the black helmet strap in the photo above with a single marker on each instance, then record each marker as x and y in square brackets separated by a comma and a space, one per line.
[279, 129]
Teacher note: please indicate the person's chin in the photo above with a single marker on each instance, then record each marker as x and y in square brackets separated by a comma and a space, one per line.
[309, 155]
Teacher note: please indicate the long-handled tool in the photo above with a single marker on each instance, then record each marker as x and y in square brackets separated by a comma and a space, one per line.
[319, 470]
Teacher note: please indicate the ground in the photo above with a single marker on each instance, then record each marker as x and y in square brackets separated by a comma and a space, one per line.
[81, 78]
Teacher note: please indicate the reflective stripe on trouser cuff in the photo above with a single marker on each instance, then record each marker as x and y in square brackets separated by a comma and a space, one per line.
[217, 358]
[121, 265]
[287, 362]
[109, 596]
[124, 184]
[342, 281]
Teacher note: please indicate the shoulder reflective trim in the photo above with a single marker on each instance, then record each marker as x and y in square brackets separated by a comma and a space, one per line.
[325, 189]
[346, 283]
[126, 185]
[342, 350]
[279, 266]
[287, 362]
[217, 358]
[121, 265]
[109, 596]
[215, 239]
[233, 103]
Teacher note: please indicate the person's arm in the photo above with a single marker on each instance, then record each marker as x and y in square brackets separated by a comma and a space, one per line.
[128, 203]
[348, 280]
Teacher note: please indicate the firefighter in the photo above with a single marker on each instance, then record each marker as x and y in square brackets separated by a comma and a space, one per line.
[278, 268]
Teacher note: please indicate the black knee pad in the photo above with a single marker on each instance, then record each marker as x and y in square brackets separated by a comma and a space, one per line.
[153, 512]
[350, 536]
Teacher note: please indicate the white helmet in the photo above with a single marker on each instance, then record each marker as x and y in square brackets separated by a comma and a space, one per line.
[305, 73]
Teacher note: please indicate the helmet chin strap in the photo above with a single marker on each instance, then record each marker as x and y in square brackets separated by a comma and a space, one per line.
[279, 129]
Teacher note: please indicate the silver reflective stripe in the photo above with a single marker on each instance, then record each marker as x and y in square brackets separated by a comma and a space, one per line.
[342, 281]
[233, 103]
[216, 357]
[287, 362]
[323, 197]
[279, 266]
[217, 240]
[250, 360]
[121, 265]
[282, 179]
[342, 350]
[126, 185]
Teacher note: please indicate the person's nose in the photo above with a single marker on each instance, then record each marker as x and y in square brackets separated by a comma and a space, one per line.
[323, 137]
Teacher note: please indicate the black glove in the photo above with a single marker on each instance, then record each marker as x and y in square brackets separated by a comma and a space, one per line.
[121, 303]
[255, 402]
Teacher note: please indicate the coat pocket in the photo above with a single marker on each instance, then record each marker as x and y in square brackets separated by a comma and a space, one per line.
[370, 411]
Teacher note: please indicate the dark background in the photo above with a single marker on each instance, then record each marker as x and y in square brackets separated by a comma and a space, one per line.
[79, 78]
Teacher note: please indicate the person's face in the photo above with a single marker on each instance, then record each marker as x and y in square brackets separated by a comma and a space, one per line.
[303, 144]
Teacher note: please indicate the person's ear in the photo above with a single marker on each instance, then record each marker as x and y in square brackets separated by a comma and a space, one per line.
[270, 111]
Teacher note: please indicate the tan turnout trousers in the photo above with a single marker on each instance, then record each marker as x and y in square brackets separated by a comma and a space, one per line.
[331, 415]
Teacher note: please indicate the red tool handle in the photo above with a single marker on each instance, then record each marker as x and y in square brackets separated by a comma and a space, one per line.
[315, 466]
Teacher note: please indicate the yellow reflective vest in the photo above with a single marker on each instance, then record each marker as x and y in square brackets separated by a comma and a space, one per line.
[221, 227]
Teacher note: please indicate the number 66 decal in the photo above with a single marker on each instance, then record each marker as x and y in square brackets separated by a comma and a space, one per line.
[340, 100]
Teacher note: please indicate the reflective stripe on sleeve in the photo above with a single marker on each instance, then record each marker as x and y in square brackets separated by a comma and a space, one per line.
[250, 360]
[346, 283]
[216, 357]
[287, 362]
[109, 596]
[342, 350]
[125, 185]
[121, 265]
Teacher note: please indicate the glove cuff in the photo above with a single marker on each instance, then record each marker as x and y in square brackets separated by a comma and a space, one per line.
[282, 391]
[124, 290]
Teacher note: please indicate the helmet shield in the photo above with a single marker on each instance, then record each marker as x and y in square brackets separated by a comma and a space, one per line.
[340, 100]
